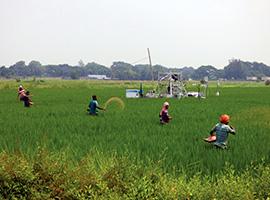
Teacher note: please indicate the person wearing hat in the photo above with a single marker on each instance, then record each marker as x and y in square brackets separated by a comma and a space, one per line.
[164, 116]
[220, 132]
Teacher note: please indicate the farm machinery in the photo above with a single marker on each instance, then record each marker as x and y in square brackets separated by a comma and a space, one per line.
[171, 85]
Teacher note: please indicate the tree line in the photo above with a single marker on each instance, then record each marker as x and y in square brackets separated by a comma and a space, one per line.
[235, 70]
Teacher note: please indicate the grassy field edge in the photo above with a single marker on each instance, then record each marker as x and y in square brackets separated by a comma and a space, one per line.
[53, 176]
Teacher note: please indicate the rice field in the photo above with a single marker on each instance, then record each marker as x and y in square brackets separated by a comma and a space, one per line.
[58, 121]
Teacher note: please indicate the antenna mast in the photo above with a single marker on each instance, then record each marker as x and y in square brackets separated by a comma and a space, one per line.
[150, 63]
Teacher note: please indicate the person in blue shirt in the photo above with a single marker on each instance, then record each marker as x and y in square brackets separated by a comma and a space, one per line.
[220, 132]
[93, 106]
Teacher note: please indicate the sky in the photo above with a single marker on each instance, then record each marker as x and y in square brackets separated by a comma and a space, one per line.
[178, 32]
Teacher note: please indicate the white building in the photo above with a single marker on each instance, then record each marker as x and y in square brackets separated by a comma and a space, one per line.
[98, 77]
[265, 78]
[252, 78]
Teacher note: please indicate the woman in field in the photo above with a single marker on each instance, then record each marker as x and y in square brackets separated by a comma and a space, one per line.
[27, 100]
[220, 132]
[21, 92]
[164, 116]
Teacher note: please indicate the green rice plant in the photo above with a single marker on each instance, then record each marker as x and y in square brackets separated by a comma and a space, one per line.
[58, 120]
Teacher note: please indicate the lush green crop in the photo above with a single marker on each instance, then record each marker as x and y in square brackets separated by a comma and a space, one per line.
[58, 121]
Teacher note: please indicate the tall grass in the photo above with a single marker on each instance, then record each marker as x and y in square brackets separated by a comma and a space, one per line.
[54, 176]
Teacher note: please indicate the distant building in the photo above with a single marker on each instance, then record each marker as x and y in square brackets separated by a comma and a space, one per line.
[265, 78]
[252, 78]
[98, 77]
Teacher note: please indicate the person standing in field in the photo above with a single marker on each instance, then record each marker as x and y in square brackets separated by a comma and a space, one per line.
[27, 100]
[220, 132]
[93, 106]
[21, 92]
[164, 116]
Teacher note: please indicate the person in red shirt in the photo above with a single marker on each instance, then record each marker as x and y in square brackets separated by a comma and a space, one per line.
[164, 115]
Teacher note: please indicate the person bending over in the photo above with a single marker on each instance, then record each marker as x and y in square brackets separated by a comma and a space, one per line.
[164, 116]
[220, 132]
[27, 100]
